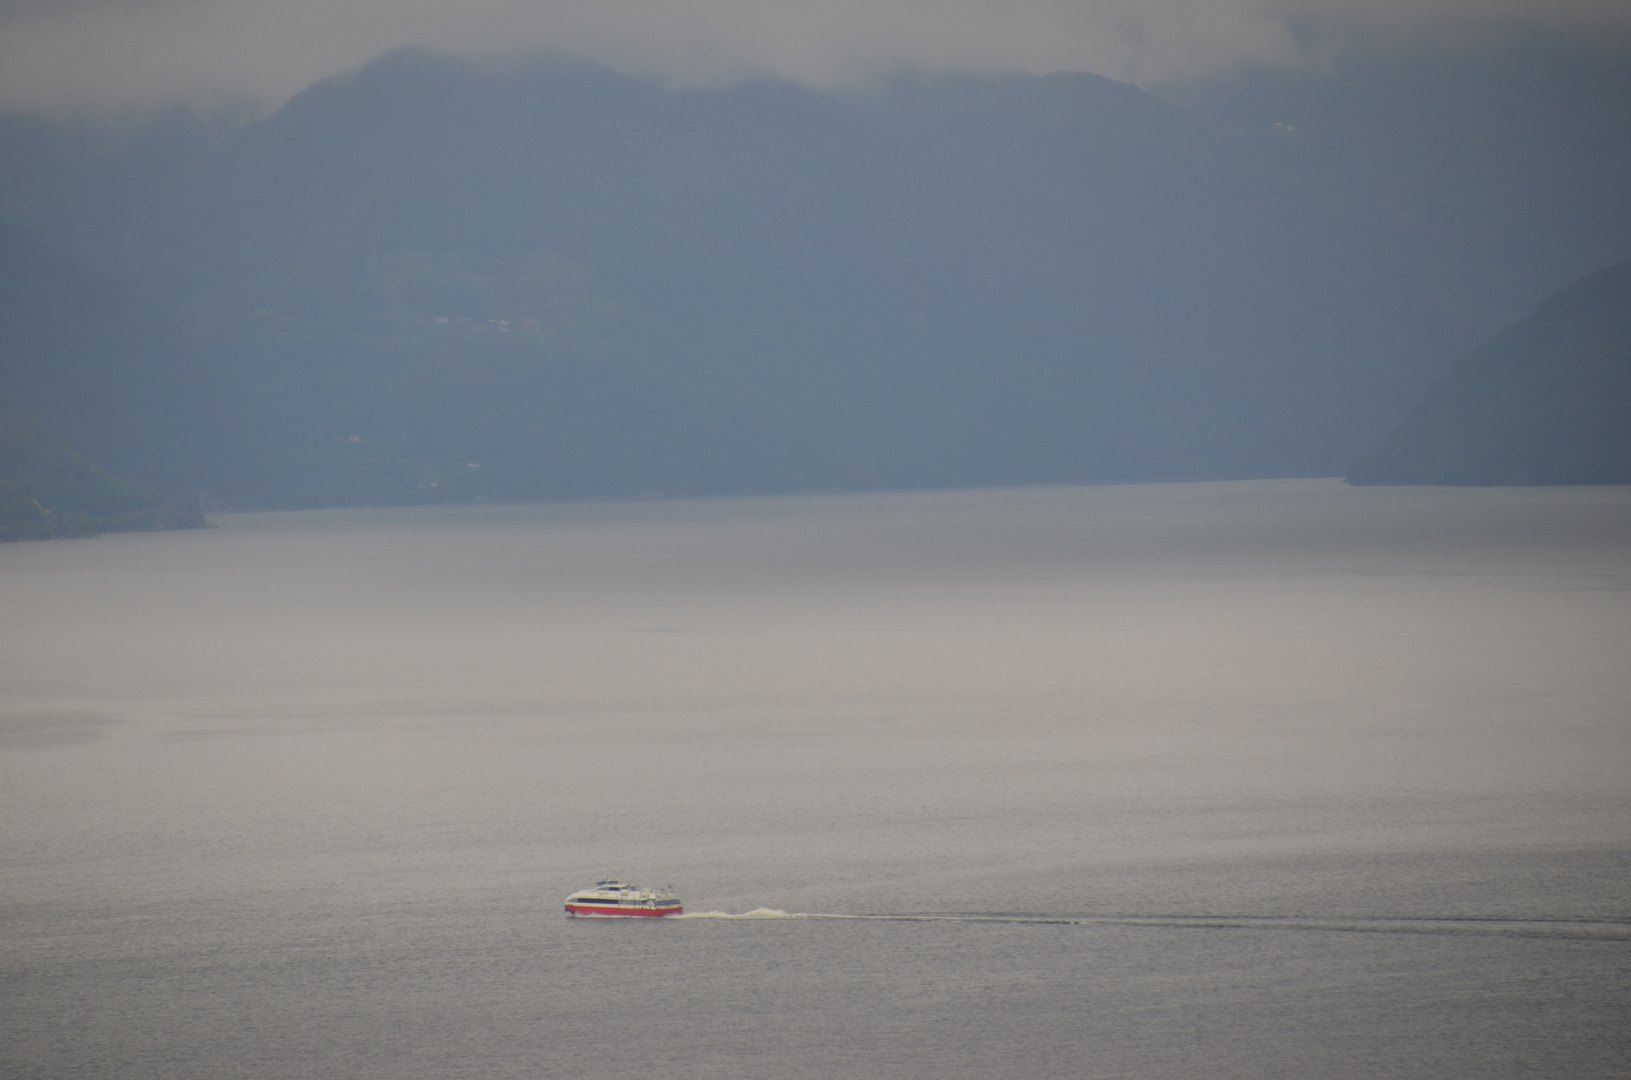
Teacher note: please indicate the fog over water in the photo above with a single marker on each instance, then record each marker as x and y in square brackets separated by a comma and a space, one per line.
[1262, 779]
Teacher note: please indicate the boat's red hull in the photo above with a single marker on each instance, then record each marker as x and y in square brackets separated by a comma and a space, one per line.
[606, 911]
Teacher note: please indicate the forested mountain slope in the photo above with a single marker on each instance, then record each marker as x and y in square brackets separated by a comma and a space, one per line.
[104, 365]
[1547, 401]
[111, 372]
[48, 490]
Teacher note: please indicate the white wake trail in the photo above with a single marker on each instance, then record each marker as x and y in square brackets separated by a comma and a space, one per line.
[756, 913]
[1598, 930]
[775, 913]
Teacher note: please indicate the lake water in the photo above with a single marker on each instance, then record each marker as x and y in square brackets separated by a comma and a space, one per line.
[1256, 780]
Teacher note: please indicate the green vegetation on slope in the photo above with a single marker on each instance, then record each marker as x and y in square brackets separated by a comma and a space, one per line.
[47, 489]
[1547, 401]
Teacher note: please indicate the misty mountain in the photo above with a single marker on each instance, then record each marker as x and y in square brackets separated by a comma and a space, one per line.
[1546, 401]
[110, 371]
[50, 490]
[106, 366]
[1505, 169]
[430, 280]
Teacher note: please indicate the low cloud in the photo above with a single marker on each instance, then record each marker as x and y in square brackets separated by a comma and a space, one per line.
[130, 55]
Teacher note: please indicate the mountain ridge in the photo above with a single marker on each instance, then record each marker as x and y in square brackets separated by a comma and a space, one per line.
[1546, 401]
[429, 280]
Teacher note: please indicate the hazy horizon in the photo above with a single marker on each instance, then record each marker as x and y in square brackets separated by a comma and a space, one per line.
[233, 57]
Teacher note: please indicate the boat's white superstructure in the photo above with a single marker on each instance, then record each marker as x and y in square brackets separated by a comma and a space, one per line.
[615, 898]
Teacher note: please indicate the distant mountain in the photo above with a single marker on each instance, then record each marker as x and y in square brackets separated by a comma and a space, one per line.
[429, 280]
[48, 490]
[1547, 401]
[111, 369]
[111, 372]
[1489, 175]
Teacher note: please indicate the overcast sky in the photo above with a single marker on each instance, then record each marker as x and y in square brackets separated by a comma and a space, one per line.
[118, 55]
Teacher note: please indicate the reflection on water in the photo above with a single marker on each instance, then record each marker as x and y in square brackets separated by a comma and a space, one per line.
[1297, 779]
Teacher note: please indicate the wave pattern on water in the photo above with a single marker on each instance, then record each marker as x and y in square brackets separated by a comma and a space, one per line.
[1551, 928]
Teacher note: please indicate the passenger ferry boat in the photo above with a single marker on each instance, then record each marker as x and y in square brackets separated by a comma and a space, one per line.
[616, 898]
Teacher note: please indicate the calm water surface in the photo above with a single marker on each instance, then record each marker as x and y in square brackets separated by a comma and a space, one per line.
[1270, 779]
